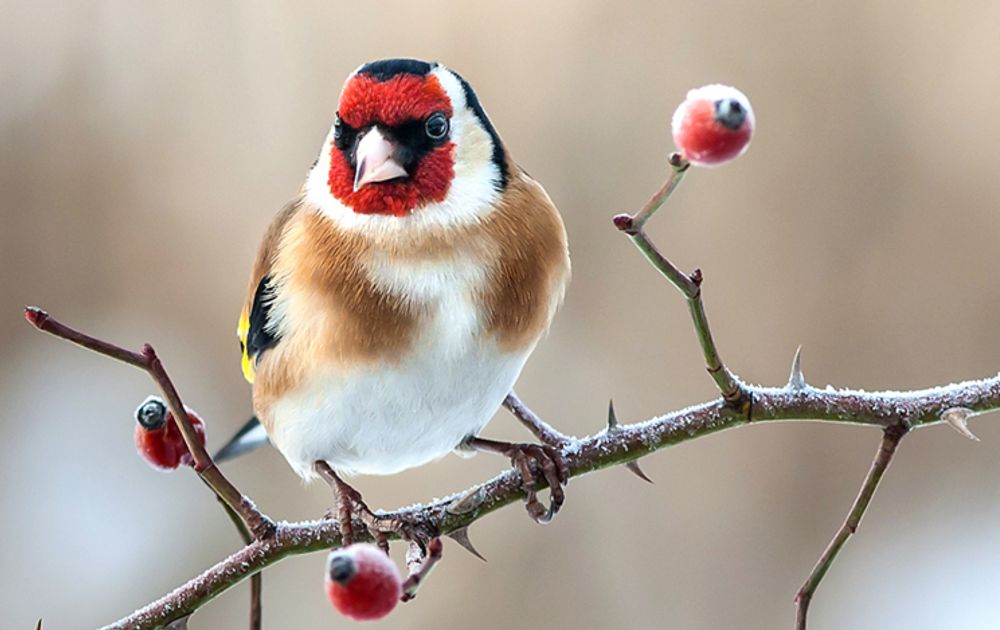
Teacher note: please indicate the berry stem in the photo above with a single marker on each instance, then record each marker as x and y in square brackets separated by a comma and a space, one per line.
[678, 168]
[734, 393]
[146, 360]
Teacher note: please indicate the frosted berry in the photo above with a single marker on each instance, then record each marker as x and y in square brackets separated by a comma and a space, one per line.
[158, 438]
[713, 125]
[362, 582]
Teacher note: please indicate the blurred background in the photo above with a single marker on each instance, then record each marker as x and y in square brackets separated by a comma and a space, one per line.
[145, 146]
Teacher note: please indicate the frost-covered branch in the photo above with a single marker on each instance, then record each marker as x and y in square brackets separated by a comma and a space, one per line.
[625, 443]
[897, 419]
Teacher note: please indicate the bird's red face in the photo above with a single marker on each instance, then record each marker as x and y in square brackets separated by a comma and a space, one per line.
[392, 152]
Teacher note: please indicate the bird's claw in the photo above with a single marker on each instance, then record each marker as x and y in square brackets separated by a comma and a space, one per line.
[350, 504]
[353, 514]
[549, 460]
[382, 525]
[554, 470]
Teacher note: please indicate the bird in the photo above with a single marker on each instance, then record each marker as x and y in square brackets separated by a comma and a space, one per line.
[394, 301]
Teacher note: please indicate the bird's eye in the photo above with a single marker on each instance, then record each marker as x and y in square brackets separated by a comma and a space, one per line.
[436, 126]
[338, 128]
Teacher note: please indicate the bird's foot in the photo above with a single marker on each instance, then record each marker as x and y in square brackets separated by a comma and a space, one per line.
[407, 529]
[548, 459]
[353, 514]
[350, 505]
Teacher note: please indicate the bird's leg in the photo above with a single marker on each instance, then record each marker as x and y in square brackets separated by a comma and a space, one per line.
[542, 430]
[350, 503]
[549, 460]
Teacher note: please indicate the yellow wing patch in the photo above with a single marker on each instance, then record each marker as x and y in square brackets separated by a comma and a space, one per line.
[242, 330]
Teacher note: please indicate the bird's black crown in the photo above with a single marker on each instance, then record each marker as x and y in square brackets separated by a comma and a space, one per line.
[385, 69]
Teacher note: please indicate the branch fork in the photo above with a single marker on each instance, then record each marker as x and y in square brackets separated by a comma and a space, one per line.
[256, 522]
[733, 392]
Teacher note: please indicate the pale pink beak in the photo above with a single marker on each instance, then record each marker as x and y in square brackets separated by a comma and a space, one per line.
[375, 161]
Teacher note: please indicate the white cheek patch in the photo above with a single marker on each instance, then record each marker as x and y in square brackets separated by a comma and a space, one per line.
[470, 197]
[317, 188]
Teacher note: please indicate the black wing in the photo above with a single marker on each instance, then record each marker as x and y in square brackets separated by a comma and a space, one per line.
[260, 335]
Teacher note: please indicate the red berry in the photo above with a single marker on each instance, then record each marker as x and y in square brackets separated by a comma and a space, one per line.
[713, 125]
[158, 438]
[362, 582]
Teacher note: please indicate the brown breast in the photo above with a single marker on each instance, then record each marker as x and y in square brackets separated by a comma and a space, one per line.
[342, 318]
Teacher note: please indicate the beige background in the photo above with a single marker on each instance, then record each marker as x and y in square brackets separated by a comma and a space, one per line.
[144, 147]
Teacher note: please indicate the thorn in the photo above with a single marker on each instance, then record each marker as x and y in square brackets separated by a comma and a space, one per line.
[634, 468]
[38, 626]
[796, 379]
[461, 536]
[613, 426]
[958, 419]
[178, 624]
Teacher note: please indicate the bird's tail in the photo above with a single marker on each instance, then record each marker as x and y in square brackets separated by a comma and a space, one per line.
[250, 437]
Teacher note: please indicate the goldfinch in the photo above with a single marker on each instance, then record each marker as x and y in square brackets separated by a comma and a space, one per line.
[394, 301]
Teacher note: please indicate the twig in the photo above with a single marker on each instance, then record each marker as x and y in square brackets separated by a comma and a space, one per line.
[542, 430]
[678, 168]
[602, 450]
[256, 522]
[890, 440]
[256, 597]
[257, 579]
[420, 562]
[689, 286]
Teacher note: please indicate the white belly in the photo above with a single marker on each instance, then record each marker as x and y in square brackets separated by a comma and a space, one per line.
[383, 420]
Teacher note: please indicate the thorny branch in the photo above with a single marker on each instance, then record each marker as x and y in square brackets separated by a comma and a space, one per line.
[626, 443]
[257, 523]
[896, 413]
